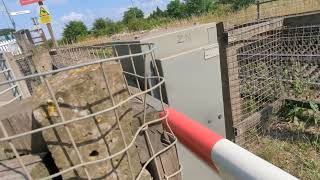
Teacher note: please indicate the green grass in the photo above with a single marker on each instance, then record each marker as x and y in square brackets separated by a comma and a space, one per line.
[288, 146]
[299, 159]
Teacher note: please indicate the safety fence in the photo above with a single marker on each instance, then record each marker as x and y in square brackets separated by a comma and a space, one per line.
[26, 66]
[264, 10]
[67, 56]
[269, 62]
[84, 156]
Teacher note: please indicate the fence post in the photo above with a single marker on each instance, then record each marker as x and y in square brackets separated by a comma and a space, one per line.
[258, 9]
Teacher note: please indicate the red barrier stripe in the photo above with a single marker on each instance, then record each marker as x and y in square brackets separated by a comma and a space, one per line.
[26, 2]
[193, 135]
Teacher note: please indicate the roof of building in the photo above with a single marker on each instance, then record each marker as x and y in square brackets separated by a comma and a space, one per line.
[6, 31]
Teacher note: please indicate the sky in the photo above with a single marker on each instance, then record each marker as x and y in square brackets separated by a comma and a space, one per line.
[64, 11]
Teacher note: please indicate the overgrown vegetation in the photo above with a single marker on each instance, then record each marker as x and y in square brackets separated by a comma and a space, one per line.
[301, 115]
[74, 31]
[134, 19]
[291, 140]
[300, 159]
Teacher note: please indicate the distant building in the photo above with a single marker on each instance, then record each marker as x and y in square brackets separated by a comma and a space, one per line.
[6, 34]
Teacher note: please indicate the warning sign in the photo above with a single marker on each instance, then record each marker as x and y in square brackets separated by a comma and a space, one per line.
[44, 15]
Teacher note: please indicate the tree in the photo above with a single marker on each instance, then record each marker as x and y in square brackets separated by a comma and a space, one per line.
[102, 26]
[101, 23]
[158, 13]
[115, 28]
[73, 30]
[132, 14]
[208, 6]
[176, 9]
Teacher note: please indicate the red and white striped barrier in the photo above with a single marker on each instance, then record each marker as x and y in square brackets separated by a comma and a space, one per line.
[229, 160]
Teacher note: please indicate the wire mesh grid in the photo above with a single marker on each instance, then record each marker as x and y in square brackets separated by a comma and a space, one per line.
[68, 56]
[268, 63]
[27, 67]
[82, 165]
[266, 9]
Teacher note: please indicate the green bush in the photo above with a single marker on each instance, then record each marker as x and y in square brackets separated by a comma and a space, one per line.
[176, 9]
[138, 25]
[74, 30]
[102, 27]
[132, 14]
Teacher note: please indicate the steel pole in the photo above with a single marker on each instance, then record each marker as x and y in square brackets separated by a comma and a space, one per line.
[9, 15]
[50, 30]
[258, 9]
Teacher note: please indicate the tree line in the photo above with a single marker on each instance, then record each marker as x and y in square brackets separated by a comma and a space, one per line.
[134, 18]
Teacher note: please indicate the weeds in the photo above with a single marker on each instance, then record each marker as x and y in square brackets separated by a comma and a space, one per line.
[298, 159]
[301, 116]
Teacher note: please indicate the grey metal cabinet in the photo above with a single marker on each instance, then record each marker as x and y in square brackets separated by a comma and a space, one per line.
[189, 60]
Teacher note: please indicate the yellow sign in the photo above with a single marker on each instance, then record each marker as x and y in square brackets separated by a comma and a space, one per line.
[44, 15]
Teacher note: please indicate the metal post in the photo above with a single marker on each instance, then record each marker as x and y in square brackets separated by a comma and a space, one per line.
[9, 15]
[258, 9]
[50, 30]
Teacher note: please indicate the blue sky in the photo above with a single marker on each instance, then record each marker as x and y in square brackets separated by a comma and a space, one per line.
[85, 10]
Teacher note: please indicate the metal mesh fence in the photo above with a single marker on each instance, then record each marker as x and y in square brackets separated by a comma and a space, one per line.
[27, 68]
[269, 62]
[264, 10]
[83, 164]
[68, 56]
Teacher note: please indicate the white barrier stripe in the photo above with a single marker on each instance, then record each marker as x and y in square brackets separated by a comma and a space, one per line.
[234, 162]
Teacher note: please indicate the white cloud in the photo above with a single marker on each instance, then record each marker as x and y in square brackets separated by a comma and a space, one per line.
[116, 13]
[57, 2]
[149, 5]
[73, 16]
[86, 16]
